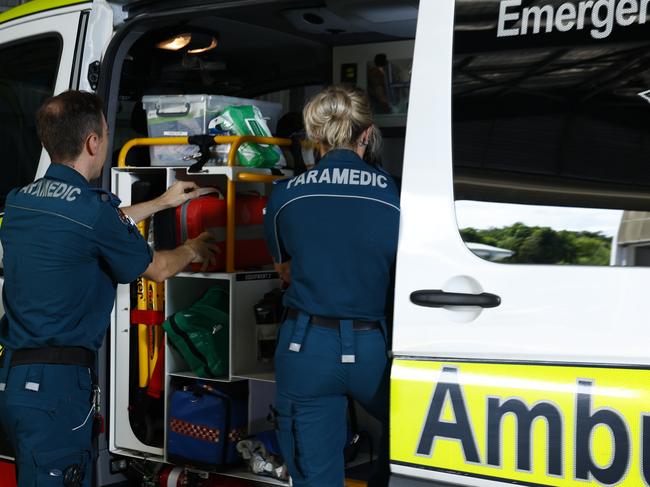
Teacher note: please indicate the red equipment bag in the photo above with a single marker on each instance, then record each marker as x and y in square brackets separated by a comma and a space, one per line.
[208, 214]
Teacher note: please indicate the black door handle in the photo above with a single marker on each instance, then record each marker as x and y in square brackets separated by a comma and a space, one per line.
[437, 298]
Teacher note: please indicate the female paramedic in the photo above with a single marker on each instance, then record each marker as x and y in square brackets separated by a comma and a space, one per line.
[333, 234]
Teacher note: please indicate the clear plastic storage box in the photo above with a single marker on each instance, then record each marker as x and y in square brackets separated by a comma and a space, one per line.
[175, 116]
[183, 115]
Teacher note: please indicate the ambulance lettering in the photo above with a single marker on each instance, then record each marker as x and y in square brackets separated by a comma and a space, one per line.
[449, 395]
[601, 15]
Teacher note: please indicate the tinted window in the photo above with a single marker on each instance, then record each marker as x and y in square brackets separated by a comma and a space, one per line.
[27, 77]
[551, 130]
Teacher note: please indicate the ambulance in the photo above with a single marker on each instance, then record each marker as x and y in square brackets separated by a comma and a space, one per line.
[507, 372]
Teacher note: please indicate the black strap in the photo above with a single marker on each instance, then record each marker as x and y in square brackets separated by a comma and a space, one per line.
[335, 323]
[54, 356]
[204, 141]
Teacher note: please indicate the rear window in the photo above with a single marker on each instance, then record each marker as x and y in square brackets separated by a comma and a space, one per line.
[27, 78]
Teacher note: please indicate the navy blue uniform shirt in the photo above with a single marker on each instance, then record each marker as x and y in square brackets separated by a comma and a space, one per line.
[338, 225]
[66, 246]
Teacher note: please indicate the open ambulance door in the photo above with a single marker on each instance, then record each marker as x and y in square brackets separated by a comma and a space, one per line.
[45, 48]
[528, 372]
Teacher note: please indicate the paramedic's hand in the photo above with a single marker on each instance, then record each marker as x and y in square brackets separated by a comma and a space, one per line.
[179, 193]
[284, 270]
[203, 249]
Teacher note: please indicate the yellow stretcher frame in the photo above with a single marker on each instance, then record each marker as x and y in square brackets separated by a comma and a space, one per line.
[249, 177]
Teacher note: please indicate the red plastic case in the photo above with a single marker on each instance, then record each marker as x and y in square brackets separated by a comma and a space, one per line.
[208, 213]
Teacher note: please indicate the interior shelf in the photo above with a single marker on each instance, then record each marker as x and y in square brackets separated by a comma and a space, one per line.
[204, 275]
[243, 473]
[261, 376]
[244, 275]
[192, 375]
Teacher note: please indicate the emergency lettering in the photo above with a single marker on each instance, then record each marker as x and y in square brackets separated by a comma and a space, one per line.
[600, 15]
[47, 188]
[353, 177]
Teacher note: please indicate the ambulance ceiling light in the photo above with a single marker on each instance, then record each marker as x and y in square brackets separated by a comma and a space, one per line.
[175, 43]
[194, 42]
[199, 50]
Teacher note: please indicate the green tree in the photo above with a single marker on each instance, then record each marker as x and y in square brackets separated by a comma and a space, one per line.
[543, 245]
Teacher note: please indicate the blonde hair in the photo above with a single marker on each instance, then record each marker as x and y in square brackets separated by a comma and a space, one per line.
[337, 116]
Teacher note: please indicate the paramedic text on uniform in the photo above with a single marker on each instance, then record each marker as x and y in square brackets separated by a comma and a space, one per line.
[333, 233]
[66, 246]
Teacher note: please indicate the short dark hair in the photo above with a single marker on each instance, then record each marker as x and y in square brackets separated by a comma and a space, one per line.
[64, 122]
[381, 60]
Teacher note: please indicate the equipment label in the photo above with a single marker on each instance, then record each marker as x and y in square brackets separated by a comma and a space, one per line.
[257, 276]
[555, 425]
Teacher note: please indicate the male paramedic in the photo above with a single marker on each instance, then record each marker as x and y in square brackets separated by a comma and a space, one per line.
[333, 234]
[66, 246]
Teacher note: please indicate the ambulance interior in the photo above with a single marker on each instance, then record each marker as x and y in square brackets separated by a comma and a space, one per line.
[276, 53]
[282, 52]
[536, 121]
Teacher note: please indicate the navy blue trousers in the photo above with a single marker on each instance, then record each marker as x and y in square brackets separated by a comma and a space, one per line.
[46, 410]
[312, 389]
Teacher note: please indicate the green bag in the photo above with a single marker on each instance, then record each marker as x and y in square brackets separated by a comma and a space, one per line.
[200, 333]
[248, 120]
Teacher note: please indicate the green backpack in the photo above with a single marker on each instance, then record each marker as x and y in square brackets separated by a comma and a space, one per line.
[200, 333]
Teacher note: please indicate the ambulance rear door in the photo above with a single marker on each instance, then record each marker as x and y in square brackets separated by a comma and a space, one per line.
[527, 137]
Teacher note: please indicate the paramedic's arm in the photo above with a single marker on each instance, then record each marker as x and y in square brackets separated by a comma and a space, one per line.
[177, 194]
[281, 260]
[167, 263]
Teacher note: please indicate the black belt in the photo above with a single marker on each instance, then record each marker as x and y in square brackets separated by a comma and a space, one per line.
[335, 323]
[54, 356]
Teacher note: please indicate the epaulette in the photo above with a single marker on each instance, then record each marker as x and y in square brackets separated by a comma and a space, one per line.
[106, 196]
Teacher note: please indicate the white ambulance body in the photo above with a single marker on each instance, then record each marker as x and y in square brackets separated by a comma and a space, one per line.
[510, 372]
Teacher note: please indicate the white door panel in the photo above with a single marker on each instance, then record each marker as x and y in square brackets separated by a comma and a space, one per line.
[563, 313]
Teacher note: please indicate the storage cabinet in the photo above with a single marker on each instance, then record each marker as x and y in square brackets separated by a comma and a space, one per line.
[245, 288]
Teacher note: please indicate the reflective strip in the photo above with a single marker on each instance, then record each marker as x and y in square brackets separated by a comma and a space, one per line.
[347, 359]
[51, 213]
[36, 7]
[3, 386]
[32, 386]
[184, 221]
[323, 195]
[294, 347]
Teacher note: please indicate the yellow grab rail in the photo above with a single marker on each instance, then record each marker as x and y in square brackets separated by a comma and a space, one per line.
[236, 141]
[249, 177]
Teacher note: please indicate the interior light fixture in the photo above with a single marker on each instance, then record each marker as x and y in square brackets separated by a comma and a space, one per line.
[199, 50]
[175, 43]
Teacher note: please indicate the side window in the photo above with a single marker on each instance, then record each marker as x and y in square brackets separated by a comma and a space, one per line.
[551, 133]
[27, 78]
